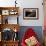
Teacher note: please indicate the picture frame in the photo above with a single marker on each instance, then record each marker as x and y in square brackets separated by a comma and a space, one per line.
[30, 13]
[5, 12]
[13, 12]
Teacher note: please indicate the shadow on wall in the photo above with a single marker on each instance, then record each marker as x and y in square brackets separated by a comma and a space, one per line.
[37, 29]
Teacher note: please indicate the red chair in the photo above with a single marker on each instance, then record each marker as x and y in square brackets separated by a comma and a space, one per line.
[29, 33]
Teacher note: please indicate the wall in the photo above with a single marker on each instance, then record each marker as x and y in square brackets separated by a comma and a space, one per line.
[45, 22]
[45, 13]
[31, 4]
[26, 4]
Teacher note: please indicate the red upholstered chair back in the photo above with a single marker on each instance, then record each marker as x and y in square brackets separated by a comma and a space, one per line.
[29, 33]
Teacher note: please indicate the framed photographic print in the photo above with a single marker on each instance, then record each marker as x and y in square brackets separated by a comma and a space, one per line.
[5, 12]
[30, 13]
[13, 12]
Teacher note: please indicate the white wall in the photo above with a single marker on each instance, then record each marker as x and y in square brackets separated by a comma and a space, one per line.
[31, 4]
[26, 4]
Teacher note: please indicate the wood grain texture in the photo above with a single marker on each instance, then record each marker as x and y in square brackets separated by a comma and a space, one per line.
[11, 26]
